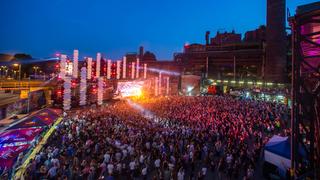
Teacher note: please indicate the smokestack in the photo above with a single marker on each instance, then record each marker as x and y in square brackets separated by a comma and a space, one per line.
[275, 64]
[141, 52]
[207, 37]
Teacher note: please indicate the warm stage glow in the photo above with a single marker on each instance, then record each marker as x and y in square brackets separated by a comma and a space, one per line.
[130, 89]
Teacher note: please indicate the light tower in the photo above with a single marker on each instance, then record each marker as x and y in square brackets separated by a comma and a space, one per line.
[89, 68]
[145, 71]
[138, 64]
[124, 67]
[63, 59]
[75, 63]
[109, 69]
[133, 70]
[83, 86]
[118, 69]
[67, 93]
[98, 65]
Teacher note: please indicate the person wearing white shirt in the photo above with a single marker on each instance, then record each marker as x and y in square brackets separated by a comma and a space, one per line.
[148, 145]
[118, 156]
[191, 155]
[173, 159]
[124, 153]
[103, 167]
[110, 168]
[171, 166]
[132, 165]
[106, 157]
[131, 150]
[144, 172]
[229, 158]
[141, 159]
[118, 144]
[119, 167]
[180, 175]
[157, 163]
[204, 171]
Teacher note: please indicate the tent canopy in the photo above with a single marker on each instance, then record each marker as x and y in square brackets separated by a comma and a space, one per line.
[279, 145]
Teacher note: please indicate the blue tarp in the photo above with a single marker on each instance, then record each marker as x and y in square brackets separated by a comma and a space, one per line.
[280, 146]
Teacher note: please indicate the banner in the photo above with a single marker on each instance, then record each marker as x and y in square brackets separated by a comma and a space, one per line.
[9, 154]
[19, 135]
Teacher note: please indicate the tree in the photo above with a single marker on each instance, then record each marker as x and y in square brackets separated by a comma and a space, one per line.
[22, 56]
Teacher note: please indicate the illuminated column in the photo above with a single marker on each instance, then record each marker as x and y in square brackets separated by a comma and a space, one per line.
[89, 68]
[145, 71]
[124, 67]
[109, 69]
[160, 83]
[138, 64]
[83, 86]
[100, 90]
[118, 69]
[98, 65]
[132, 70]
[156, 83]
[67, 93]
[63, 59]
[168, 86]
[75, 63]
[69, 68]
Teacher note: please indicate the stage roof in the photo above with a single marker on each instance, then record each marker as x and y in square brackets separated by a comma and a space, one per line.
[307, 20]
[307, 8]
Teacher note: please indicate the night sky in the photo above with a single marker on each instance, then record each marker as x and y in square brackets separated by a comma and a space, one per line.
[114, 27]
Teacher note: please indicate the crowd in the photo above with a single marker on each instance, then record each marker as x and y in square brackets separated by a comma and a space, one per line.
[183, 138]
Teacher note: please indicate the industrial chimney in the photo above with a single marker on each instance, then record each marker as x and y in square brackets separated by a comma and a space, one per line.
[207, 37]
[275, 64]
[141, 51]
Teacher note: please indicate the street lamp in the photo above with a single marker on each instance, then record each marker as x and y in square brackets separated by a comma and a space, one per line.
[14, 74]
[18, 65]
[2, 69]
[35, 70]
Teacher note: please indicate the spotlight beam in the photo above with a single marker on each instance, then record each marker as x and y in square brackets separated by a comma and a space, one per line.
[162, 71]
[146, 113]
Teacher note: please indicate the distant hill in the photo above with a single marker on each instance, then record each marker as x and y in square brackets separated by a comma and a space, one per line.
[6, 57]
[19, 56]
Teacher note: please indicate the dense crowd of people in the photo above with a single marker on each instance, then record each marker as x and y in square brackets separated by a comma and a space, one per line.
[161, 138]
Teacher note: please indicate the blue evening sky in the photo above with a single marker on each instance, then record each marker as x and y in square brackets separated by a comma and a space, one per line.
[114, 27]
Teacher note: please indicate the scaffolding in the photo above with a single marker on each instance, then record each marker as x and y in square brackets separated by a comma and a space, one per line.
[305, 122]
